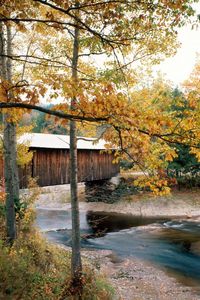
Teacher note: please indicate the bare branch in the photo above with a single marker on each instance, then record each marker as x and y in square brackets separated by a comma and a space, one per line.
[27, 54]
[41, 61]
[97, 4]
[166, 138]
[92, 53]
[29, 20]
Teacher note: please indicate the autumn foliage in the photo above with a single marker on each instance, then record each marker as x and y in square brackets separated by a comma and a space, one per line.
[138, 118]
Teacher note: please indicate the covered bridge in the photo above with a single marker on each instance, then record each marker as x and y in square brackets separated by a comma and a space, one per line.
[50, 163]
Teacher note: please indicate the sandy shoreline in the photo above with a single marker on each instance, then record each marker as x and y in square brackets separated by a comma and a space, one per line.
[134, 279]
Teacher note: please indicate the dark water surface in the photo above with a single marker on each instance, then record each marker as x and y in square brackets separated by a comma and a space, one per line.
[173, 244]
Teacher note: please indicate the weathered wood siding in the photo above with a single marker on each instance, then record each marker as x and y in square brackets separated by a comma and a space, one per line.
[24, 174]
[51, 167]
[94, 165]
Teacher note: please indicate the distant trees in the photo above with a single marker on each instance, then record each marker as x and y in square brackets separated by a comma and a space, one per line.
[186, 166]
[41, 123]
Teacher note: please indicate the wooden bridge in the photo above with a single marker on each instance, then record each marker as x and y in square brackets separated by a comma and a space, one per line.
[50, 162]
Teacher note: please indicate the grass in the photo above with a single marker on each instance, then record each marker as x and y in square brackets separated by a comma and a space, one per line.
[34, 269]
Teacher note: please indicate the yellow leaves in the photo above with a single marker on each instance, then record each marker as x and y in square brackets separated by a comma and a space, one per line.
[170, 153]
[67, 87]
[4, 87]
[24, 156]
[116, 160]
[73, 89]
[169, 157]
[196, 152]
[2, 193]
[21, 27]
[42, 90]
[13, 115]
[3, 95]
[192, 101]
[158, 186]
[50, 15]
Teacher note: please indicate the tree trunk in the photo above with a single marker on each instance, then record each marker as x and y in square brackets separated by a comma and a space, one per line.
[11, 178]
[76, 265]
[9, 138]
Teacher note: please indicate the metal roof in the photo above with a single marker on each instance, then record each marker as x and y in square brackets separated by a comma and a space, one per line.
[57, 141]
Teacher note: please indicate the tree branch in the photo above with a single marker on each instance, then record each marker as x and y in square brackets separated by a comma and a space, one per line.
[41, 61]
[29, 20]
[164, 138]
[51, 112]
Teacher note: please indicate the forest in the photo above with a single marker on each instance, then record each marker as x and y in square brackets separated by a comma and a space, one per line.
[86, 68]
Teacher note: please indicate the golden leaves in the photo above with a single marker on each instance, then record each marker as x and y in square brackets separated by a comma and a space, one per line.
[157, 185]
[4, 91]
[196, 152]
[24, 156]
[21, 27]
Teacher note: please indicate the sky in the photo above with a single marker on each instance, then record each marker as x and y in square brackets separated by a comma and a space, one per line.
[178, 68]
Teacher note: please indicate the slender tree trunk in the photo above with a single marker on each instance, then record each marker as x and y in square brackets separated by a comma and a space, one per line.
[9, 137]
[13, 135]
[11, 179]
[76, 265]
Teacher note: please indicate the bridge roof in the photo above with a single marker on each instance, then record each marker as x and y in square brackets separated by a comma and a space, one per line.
[57, 141]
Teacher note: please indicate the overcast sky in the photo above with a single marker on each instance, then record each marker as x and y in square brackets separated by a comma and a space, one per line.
[179, 67]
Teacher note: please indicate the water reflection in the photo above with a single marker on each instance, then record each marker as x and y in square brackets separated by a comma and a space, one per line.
[104, 222]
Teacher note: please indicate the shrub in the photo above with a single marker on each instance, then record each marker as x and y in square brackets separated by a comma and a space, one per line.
[32, 269]
[95, 286]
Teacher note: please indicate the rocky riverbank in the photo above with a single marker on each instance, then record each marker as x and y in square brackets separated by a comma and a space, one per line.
[134, 279]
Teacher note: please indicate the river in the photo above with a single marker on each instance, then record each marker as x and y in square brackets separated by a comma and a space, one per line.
[173, 244]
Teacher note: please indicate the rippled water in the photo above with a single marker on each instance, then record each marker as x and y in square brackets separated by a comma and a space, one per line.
[173, 244]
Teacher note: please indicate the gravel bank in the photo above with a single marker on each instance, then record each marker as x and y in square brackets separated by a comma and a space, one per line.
[138, 280]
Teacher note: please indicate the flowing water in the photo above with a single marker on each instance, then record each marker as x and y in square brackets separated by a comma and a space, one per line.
[171, 243]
